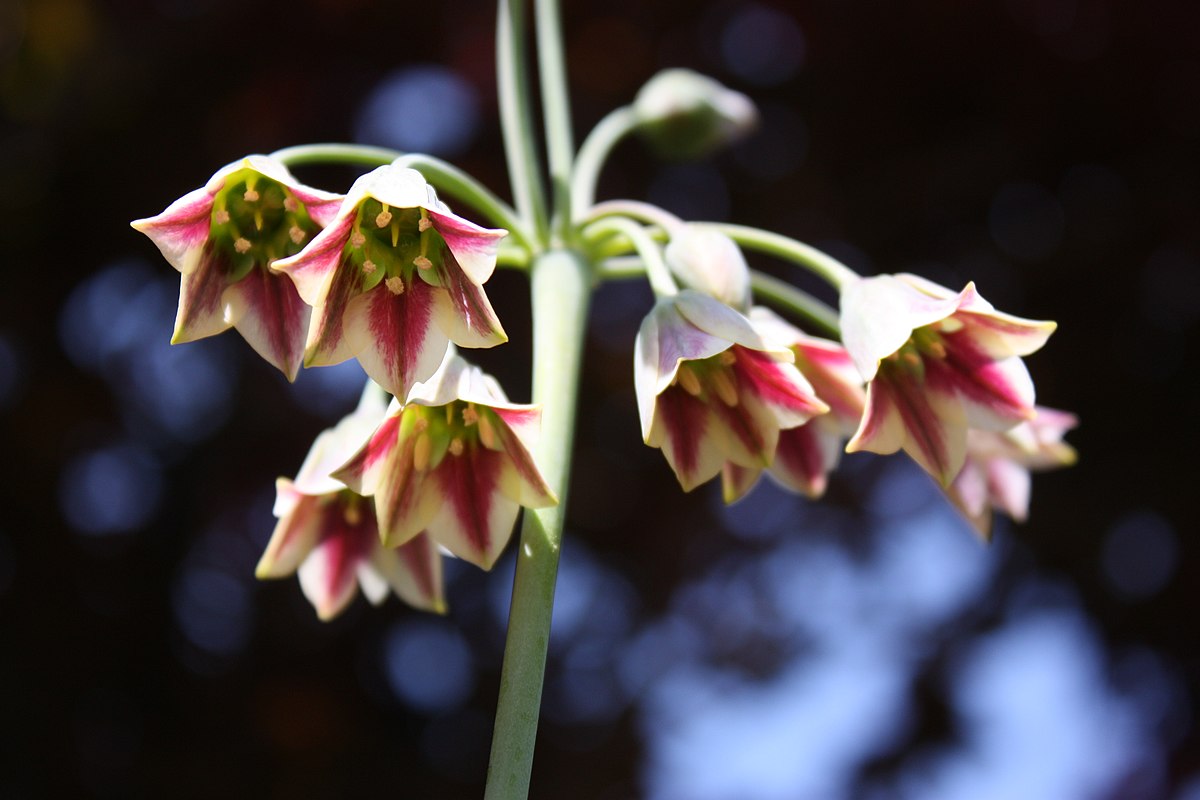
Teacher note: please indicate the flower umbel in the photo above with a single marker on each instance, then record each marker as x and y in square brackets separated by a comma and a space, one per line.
[936, 363]
[395, 277]
[453, 461]
[711, 390]
[330, 535]
[222, 239]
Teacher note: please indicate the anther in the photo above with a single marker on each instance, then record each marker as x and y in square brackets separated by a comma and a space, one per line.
[423, 224]
[251, 196]
[456, 446]
[290, 204]
[487, 433]
[221, 217]
[470, 415]
[727, 358]
[911, 357]
[383, 218]
[421, 425]
[938, 349]
[725, 387]
[395, 285]
[422, 262]
[422, 449]
[242, 244]
[297, 234]
[688, 380]
[368, 267]
[357, 239]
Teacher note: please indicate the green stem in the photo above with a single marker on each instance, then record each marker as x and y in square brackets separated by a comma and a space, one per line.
[462, 186]
[812, 259]
[560, 284]
[648, 249]
[336, 153]
[781, 293]
[594, 152]
[556, 110]
[636, 209]
[515, 119]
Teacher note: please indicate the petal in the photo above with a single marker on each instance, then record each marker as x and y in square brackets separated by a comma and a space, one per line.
[777, 384]
[969, 494]
[1008, 486]
[393, 336]
[746, 433]
[295, 535]
[313, 268]
[327, 342]
[736, 481]
[475, 521]
[270, 315]
[414, 572]
[527, 486]
[180, 229]
[364, 471]
[473, 247]
[329, 576]
[721, 321]
[879, 314]
[803, 459]
[685, 429]
[462, 310]
[710, 262]
[202, 308]
[1003, 335]
[996, 394]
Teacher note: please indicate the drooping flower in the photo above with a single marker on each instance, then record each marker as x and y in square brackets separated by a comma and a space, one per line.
[710, 389]
[330, 535]
[393, 278]
[996, 474]
[454, 461]
[222, 239]
[936, 363]
[807, 453]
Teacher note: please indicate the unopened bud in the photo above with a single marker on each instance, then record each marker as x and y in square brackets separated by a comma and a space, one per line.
[710, 262]
[685, 115]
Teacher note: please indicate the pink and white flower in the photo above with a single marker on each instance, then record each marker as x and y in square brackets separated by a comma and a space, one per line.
[394, 278]
[454, 461]
[936, 363]
[712, 390]
[996, 474]
[223, 237]
[329, 534]
[807, 453]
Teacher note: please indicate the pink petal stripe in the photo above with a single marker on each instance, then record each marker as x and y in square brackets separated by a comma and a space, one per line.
[403, 502]
[329, 576]
[472, 246]
[685, 422]
[393, 335]
[473, 323]
[363, 471]
[736, 481]
[421, 562]
[295, 535]
[201, 297]
[184, 226]
[314, 267]
[747, 431]
[326, 342]
[800, 462]
[469, 483]
[535, 493]
[936, 436]
[980, 379]
[775, 382]
[270, 315]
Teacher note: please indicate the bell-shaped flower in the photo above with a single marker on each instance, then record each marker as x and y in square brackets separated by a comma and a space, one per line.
[936, 363]
[455, 461]
[711, 389]
[223, 237]
[711, 263]
[329, 534]
[393, 278]
[807, 453]
[996, 474]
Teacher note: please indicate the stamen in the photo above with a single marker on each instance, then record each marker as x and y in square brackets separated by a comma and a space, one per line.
[688, 380]
[258, 220]
[297, 234]
[221, 217]
[290, 204]
[470, 415]
[911, 357]
[250, 196]
[487, 432]
[357, 239]
[423, 263]
[352, 513]
[456, 446]
[383, 218]
[422, 449]
[450, 413]
[395, 285]
[937, 348]
[421, 425]
[726, 358]
[368, 267]
[395, 233]
[726, 389]
[423, 224]
[242, 244]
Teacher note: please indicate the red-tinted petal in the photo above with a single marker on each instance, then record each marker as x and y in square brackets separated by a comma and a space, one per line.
[270, 315]
[393, 335]
[202, 309]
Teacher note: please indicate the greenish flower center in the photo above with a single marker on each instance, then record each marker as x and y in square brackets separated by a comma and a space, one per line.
[391, 244]
[450, 430]
[256, 220]
[710, 377]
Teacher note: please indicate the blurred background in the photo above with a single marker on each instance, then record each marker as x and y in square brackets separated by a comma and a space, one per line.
[866, 646]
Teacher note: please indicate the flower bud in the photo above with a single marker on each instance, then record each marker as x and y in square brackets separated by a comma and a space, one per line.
[710, 262]
[684, 114]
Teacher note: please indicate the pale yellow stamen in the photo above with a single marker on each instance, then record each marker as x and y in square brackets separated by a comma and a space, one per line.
[258, 220]
[470, 415]
[421, 425]
[688, 380]
[395, 285]
[423, 224]
[352, 514]
[725, 388]
[395, 233]
[383, 218]
[368, 267]
[242, 245]
[487, 432]
[422, 449]
[251, 196]
[221, 217]
[727, 358]
[456, 446]
[296, 233]
[938, 349]
[422, 262]
[357, 239]
[290, 204]
[911, 357]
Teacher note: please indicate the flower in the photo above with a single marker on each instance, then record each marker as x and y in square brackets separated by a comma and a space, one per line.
[222, 239]
[710, 389]
[453, 461]
[936, 363]
[331, 536]
[684, 114]
[996, 474]
[392, 278]
[807, 453]
[711, 263]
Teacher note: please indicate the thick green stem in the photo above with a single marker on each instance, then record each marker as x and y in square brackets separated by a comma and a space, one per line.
[560, 285]
[336, 153]
[512, 78]
[594, 152]
[556, 108]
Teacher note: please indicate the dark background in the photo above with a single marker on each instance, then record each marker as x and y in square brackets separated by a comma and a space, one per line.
[1046, 150]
